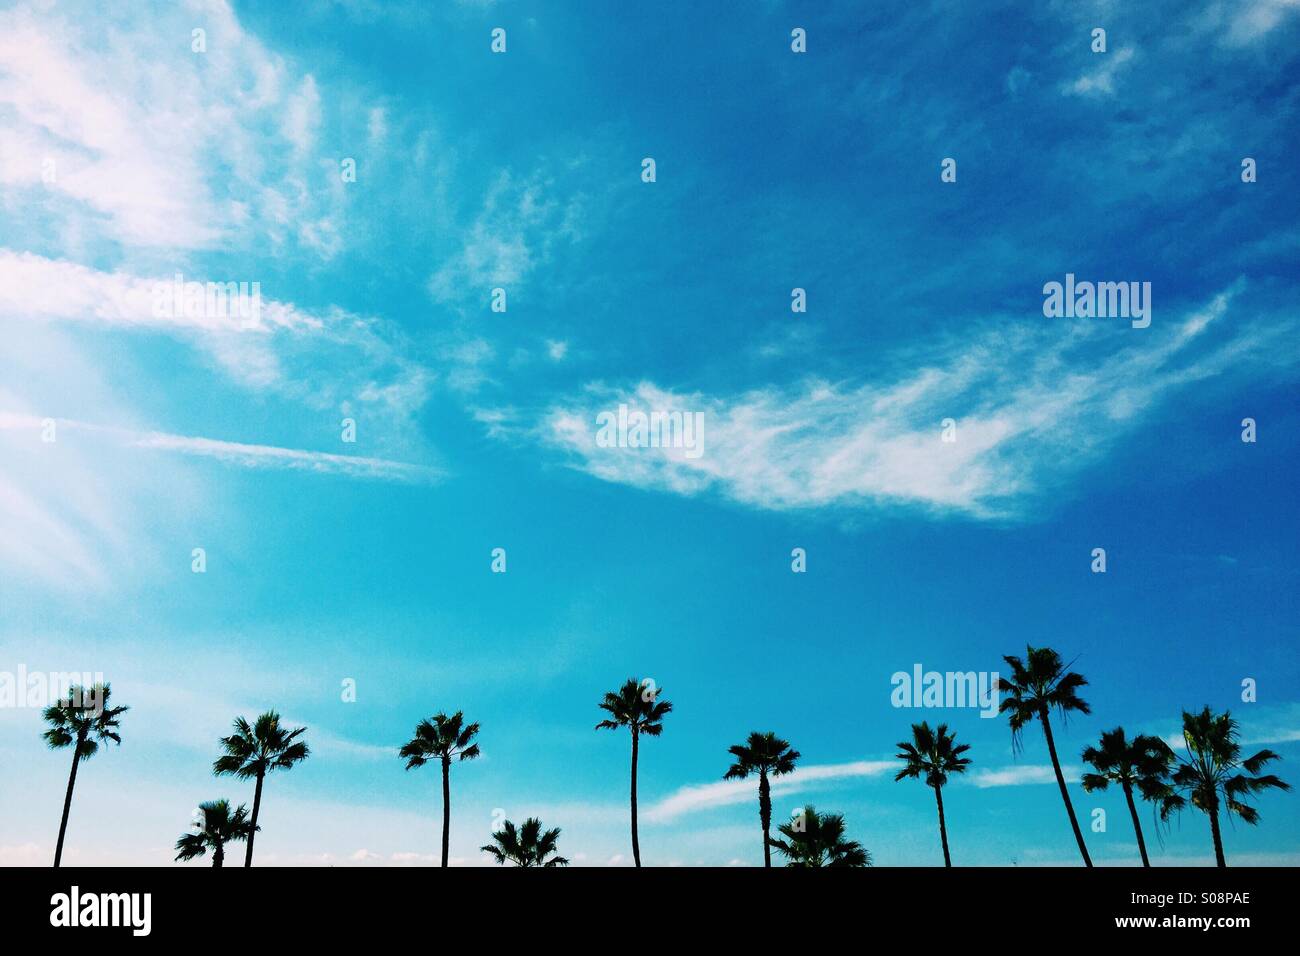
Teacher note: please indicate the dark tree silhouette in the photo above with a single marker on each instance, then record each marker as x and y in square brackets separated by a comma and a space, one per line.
[442, 738]
[1039, 684]
[256, 751]
[82, 720]
[1214, 776]
[768, 756]
[220, 827]
[817, 840]
[1140, 764]
[526, 846]
[642, 712]
[931, 756]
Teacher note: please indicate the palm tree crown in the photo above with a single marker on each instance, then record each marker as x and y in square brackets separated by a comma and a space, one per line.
[931, 754]
[631, 706]
[254, 751]
[219, 827]
[526, 846]
[817, 840]
[83, 718]
[761, 753]
[442, 737]
[1141, 763]
[1214, 774]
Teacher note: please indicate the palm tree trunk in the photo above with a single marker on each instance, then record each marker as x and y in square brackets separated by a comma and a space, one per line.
[257, 805]
[219, 854]
[1218, 837]
[765, 814]
[446, 807]
[1060, 781]
[67, 800]
[636, 844]
[1137, 826]
[943, 828]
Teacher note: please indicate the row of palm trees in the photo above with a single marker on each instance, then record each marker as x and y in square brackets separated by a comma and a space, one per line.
[1213, 778]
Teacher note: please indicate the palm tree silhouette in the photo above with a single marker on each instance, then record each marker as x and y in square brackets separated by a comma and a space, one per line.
[641, 711]
[219, 828]
[526, 846]
[442, 737]
[1142, 763]
[1038, 684]
[767, 755]
[82, 720]
[931, 755]
[1214, 775]
[256, 751]
[817, 840]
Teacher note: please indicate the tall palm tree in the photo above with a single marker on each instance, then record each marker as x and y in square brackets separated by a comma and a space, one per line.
[768, 756]
[1214, 775]
[820, 842]
[931, 754]
[642, 712]
[442, 737]
[82, 720]
[256, 751]
[1039, 684]
[525, 846]
[219, 827]
[1142, 763]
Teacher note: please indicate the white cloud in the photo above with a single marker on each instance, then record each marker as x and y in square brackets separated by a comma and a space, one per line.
[1101, 80]
[1017, 776]
[1031, 403]
[690, 799]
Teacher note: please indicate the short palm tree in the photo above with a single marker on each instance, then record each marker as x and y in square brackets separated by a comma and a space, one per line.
[1214, 775]
[442, 738]
[768, 756]
[82, 720]
[254, 751]
[930, 755]
[525, 846]
[1142, 763]
[817, 840]
[642, 712]
[1039, 684]
[219, 827]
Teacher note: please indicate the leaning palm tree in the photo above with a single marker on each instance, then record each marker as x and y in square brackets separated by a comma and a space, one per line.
[256, 751]
[1040, 683]
[766, 755]
[817, 840]
[1142, 763]
[1214, 775]
[81, 720]
[931, 754]
[525, 846]
[642, 712]
[219, 827]
[443, 738]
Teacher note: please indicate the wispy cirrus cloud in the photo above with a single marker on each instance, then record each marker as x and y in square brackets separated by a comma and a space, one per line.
[1030, 405]
[706, 796]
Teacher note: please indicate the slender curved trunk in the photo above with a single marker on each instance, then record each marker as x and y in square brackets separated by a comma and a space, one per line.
[1137, 826]
[257, 805]
[1218, 837]
[765, 815]
[636, 844]
[446, 807]
[219, 854]
[1060, 782]
[67, 801]
[943, 828]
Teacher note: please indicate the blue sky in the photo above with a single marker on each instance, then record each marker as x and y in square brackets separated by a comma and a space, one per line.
[125, 158]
